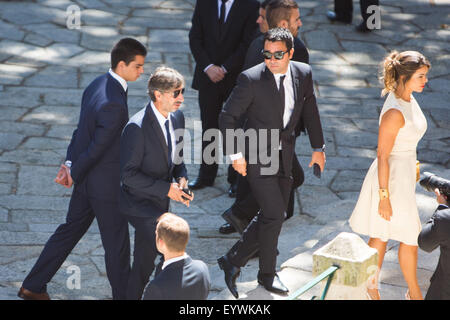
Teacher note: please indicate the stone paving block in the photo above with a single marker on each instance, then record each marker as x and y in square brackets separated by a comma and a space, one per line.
[168, 35]
[94, 17]
[348, 180]
[322, 40]
[33, 202]
[44, 143]
[33, 157]
[90, 58]
[38, 180]
[164, 13]
[13, 74]
[39, 216]
[360, 139]
[37, 39]
[61, 132]
[10, 141]
[7, 177]
[22, 128]
[22, 13]
[54, 32]
[5, 188]
[169, 46]
[53, 115]
[14, 227]
[23, 238]
[159, 23]
[357, 152]
[54, 76]
[3, 215]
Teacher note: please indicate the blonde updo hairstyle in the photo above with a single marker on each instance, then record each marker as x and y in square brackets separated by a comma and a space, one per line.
[397, 65]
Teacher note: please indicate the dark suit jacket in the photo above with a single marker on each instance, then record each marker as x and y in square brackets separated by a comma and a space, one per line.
[436, 233]
[229, 49]
[181, 280]
[254, 55]
[145, 175]
[256, 94]
[94, 148]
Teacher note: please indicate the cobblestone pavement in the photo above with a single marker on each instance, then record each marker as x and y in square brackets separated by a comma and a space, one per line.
[44, 67]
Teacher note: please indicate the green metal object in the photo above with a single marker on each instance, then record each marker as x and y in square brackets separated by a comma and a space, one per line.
[329, 273]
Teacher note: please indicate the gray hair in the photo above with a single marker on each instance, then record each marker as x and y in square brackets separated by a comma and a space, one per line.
[164, 79]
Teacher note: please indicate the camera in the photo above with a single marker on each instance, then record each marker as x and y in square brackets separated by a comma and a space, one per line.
[430, 181]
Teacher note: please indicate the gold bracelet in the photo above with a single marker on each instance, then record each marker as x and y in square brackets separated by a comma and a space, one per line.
[384, 193]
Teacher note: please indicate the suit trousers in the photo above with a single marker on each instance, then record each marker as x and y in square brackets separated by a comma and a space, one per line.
[344, 8]
[246, 207]
[272, 195]
[145, 253]
[114, 235]
[211, 100]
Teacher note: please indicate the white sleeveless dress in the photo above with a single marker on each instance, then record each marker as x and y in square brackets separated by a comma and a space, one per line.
[404, 225]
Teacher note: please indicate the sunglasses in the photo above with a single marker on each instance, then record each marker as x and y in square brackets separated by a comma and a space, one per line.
[176, 93]
[278, 54]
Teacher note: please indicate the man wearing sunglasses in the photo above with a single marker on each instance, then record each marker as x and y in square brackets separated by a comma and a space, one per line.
[275, 95]
[275, 13]
[151, 158]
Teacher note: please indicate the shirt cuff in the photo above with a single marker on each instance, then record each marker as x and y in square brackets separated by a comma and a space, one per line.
[224, 70]
[209, 66]
[236, 156]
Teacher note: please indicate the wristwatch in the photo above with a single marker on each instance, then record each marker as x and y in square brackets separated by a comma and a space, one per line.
[319, 149]
[68, 164]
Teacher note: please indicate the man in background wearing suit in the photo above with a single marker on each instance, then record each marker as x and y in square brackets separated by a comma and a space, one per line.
[276, 13]
[92, 165]
[274, 95]
[219, 38]
[151, 157]
[436, 233]
[181, 278]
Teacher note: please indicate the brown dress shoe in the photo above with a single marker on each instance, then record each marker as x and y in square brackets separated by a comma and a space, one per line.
[26, 294]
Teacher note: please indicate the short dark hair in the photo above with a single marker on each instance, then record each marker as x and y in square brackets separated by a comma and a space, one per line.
[280, 34]
[126, 49]
[264, 4]
[277, 10]
[164, 79]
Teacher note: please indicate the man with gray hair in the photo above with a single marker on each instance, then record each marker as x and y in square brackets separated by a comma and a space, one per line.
[151, 158]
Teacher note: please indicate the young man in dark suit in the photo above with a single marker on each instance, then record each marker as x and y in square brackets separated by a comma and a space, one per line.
[181, 278]
[274, 95]
[220, 35]
[436, 233]
[276, 13]
[151, 157]
[92, 165]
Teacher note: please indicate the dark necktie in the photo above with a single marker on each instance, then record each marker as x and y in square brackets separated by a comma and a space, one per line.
[222, 16]
[169, 142]
[281, 90]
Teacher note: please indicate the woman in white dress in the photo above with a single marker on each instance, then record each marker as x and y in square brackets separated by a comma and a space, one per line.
[386, 207]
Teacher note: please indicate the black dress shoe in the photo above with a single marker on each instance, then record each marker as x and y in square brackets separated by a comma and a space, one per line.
[332, 16]
[199, 184]
[231, 274]
[232, 219]
[272, 284]
[26, 294]
[362, 27]
[227, 228]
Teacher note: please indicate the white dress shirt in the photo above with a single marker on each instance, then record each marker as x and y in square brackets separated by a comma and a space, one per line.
[289, 102]
[162, 120]
[228, 5]
[167, 262]
[119, 78]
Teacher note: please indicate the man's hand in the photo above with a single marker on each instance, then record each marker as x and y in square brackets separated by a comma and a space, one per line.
[319, 158]
[240, 165]
[215, 73]
[177, 194]
[183, 183]
[63, 177]
[440, 198]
